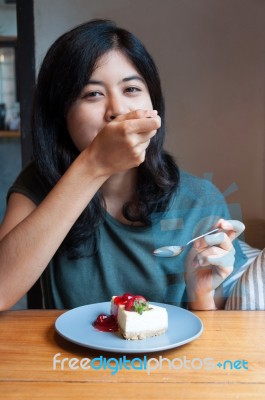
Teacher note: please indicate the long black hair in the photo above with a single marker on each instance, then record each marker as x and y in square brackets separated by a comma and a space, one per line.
[65, 71]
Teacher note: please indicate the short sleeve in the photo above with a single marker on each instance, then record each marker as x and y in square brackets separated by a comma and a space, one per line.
[30, 184]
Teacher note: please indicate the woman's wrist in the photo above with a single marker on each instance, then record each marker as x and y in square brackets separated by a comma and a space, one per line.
[91, 166]
[201, 302]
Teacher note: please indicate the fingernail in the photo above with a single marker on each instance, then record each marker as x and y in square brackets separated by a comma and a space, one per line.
[217, 238]
[237, 226]
[152, 113]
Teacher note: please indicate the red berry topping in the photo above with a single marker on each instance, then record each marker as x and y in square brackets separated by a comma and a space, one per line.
[106, 323]
[137, 303]
[127, 296]
[129, 306]
[122, 300]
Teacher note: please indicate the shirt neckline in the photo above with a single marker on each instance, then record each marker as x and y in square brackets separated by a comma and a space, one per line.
[126, 227]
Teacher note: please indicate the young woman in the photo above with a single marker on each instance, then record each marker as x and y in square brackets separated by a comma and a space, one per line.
[101, 193]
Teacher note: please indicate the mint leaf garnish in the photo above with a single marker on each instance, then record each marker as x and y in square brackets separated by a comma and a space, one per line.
[140, 306]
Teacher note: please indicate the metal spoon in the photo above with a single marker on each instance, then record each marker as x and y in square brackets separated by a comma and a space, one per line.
[173, 251]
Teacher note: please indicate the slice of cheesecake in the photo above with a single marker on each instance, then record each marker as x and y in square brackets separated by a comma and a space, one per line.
[137, 319]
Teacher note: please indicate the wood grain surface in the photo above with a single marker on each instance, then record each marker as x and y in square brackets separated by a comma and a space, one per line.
[234, 340]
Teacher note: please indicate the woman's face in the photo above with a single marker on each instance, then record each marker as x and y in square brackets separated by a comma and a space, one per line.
[114, 88]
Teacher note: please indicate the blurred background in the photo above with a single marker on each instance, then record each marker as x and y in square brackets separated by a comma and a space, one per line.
[10, 146]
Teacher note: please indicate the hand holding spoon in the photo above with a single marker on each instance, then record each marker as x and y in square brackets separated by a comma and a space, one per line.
[173, 251]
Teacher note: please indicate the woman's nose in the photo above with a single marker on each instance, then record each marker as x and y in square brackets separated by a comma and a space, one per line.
[112, 117]
[114, 108]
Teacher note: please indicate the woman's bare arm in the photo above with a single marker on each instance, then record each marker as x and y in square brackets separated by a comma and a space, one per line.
[30, 235]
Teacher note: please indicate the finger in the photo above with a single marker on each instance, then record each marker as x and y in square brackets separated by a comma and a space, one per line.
[146, 126]
[136, 114]
[233, 227]
[219, 239]
[222, 259]
[221, 267]
[225, 261]
[137, 130]
[141, 150]
[143, 146]
[143, 137]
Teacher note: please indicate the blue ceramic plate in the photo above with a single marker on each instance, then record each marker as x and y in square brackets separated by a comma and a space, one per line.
[76, 326]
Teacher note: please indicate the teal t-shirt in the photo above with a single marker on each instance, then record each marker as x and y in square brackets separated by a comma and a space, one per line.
[124, 261]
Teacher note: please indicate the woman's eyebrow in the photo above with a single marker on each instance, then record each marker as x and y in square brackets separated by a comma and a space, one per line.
[127, 79]
[95, 82]
[132, 78]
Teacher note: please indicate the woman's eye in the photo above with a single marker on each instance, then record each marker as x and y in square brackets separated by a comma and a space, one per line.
[92, 94]
[133, 89]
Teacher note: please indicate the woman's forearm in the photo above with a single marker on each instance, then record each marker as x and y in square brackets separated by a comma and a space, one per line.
[26, 249]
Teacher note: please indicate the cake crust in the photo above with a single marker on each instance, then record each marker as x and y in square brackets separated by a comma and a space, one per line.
[141, 335]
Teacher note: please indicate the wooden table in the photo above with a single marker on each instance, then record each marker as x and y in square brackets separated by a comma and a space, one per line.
[28, 344]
